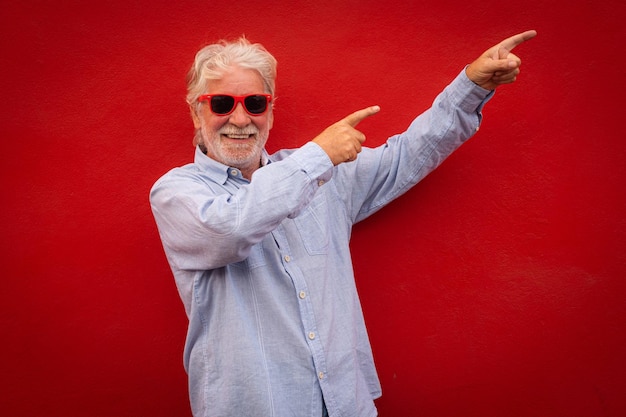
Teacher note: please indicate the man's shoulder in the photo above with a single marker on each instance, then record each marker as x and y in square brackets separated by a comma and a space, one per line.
[185, 176]
[281, 154]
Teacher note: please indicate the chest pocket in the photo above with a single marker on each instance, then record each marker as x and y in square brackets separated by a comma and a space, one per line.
[313, 226]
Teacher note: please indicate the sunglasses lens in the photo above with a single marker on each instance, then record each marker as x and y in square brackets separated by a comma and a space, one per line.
[222, 104]
[256, 104]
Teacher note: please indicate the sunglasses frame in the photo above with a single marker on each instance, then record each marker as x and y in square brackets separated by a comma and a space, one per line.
[238, 99]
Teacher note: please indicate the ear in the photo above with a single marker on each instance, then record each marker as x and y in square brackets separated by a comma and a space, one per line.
[194, 116]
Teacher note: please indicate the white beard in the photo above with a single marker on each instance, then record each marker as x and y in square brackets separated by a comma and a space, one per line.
[239, 155]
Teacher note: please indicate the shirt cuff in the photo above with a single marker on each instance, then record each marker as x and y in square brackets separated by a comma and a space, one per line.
[470, 96]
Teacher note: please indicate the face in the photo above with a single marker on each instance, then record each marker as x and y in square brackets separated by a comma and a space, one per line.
[236, 139]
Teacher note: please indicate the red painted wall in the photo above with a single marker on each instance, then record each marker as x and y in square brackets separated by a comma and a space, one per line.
[494, 288]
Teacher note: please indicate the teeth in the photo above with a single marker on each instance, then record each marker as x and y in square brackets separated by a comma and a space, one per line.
[238, 136]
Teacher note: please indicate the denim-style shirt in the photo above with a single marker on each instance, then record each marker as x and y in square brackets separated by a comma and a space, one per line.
[264, 271]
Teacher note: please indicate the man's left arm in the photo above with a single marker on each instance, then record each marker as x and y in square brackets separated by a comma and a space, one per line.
[384, 173]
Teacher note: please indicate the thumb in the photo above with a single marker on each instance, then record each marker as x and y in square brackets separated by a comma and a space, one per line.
[501, 64]
[358, 116]
[504, 54]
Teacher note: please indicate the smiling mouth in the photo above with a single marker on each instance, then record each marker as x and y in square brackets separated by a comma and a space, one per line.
[239, 136]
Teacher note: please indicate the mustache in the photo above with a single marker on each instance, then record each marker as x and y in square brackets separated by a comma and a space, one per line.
[234, 130]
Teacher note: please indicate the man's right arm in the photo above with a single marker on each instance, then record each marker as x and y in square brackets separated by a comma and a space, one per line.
[204, 226]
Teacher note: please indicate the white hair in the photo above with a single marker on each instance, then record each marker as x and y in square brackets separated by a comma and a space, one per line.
[213, 60]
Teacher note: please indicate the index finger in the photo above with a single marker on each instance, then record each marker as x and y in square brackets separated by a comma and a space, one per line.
[358, 116]
[513, 41]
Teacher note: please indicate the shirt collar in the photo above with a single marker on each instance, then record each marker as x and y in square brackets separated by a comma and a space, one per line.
[216, 170]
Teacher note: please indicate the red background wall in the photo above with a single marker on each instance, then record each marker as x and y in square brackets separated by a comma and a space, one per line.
[494, 288]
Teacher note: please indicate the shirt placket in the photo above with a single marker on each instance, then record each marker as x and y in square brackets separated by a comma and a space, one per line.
[307, 316]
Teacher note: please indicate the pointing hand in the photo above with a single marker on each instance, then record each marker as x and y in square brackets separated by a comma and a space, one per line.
[498, 65]
[342, 141]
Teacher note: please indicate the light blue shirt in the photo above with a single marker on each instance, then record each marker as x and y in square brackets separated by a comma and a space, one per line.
[264, 270]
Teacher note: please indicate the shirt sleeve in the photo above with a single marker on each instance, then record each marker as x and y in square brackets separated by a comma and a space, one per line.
[382, 174]
[203, 225]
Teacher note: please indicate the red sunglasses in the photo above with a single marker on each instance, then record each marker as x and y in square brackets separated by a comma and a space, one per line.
[224, 104]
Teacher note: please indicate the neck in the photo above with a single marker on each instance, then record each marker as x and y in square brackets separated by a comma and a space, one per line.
[248, 171]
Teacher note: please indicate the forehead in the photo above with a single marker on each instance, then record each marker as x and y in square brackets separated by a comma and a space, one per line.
[237, 81]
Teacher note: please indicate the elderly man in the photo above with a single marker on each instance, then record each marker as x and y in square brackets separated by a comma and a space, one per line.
[259, 244]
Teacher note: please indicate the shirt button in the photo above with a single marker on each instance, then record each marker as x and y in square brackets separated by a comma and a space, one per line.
[302, 295]
[234, 172]
[321, 375]
[320, 183]
[311, 335]
[287, 258]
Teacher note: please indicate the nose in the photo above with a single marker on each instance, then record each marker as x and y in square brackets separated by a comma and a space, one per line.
[239, 116]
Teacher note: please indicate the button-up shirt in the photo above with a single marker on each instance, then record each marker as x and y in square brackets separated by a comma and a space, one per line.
[264, 270]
